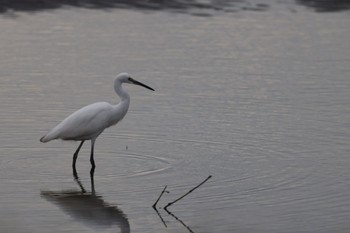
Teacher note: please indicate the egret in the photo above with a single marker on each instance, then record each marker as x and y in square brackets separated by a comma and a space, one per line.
[89, 122]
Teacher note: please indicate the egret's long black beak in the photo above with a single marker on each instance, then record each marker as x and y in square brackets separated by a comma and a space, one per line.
[140, 84]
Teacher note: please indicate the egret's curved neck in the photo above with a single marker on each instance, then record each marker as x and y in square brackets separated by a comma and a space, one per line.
[124, 96]
[119, 110]
[122, 107]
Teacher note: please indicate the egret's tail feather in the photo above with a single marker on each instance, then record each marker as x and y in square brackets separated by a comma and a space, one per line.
[44, 139]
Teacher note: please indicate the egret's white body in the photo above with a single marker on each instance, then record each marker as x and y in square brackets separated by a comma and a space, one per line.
[89, 122]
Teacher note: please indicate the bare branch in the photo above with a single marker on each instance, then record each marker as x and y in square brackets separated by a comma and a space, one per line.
[170, 203]
[161, 194]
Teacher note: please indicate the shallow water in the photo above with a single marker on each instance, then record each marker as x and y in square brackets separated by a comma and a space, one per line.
[256, 97]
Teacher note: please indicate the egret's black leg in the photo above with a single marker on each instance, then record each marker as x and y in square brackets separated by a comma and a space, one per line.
[76, 178]
[75, 156]
[92, 172]
[92, 161]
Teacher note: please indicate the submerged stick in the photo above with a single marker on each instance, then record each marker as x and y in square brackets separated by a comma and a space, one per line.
[161, 194]
[170, 203]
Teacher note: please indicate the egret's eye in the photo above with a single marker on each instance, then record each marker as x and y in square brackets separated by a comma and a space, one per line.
[130, 79]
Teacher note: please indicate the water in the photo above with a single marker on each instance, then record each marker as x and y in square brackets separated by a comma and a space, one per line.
[253, 93]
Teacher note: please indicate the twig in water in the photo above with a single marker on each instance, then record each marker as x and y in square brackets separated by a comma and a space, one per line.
[161, 194]
[170, 203]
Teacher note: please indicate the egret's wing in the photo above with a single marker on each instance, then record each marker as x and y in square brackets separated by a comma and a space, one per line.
[82, 124]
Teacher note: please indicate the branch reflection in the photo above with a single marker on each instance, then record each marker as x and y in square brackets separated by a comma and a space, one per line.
[175, 217]
[180, 221]
[88, 207]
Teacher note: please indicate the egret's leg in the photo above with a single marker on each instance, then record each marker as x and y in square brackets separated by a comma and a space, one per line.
[75, 156]
[92, 171]
[76, 178]
[92, 161]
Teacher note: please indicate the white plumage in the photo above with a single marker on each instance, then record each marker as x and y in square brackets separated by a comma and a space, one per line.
[89, 122]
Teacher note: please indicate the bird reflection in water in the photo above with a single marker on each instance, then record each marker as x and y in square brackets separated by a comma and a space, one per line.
[88, 207]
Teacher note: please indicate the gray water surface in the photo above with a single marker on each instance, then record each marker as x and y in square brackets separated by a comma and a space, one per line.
[256, 95]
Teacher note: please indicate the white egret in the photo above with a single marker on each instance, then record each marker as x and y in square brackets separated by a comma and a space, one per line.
[89, 122]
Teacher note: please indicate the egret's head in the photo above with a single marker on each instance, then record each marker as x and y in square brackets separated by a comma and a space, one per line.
[123, 77]
[126, 78]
